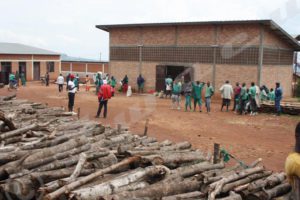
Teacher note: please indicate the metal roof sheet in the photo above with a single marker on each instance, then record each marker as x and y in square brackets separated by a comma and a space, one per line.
[16, 48]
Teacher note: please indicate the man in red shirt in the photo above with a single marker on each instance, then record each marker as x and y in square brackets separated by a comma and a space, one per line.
[237, 92]
[103, 95]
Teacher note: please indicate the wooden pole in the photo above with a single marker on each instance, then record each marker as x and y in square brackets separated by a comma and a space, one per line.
[146, 127]
[216, 153]
[296, 187]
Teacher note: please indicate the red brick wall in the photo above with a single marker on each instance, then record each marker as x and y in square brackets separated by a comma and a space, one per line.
[124, 36]
[46, 57]
[65, 66]
[273, 40]
[15, 57]
[159, 36]
[78, 67]
[195, 35]
[238, 34]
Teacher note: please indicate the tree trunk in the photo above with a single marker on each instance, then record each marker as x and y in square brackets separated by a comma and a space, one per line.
[93, 193]
[232, 196]
[189, 195]
[90, 177]
[279, 190]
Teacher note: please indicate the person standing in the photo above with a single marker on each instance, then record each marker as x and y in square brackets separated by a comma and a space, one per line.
[17, 77]
[140, 82]
[76, 81]
[252, 95]
[197, 94]
[278, 97]
[87, 83]
[209, 92]
[23, 79]
[113, 83]
[271, 95]
[103, 96]
[98, 82]
[67, 79]
[125, 84]
[226, 92]
[176, 91]
[12, 82]
[47, 78]
[71, 92]
[168, 84]
[188, 93]
[237, 92]
[60, 81]
[243, 99]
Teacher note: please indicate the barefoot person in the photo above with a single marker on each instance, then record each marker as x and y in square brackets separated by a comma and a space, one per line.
[104, 95]
[71, 93]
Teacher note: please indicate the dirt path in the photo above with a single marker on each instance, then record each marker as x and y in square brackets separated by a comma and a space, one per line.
[246, 137]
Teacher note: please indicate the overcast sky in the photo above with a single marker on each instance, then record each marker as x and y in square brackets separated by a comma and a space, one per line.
[68, 26]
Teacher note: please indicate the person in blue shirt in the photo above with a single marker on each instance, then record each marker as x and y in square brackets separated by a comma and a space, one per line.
[278, 97]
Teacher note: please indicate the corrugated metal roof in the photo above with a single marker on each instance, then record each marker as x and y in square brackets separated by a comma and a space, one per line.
[267, 22]
[16, 48]
[66, 58]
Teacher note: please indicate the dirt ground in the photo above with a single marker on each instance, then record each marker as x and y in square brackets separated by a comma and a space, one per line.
[246, 137]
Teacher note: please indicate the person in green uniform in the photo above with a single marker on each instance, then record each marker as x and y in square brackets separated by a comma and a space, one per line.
[176, 91]
[113, 83]
[197, 94]
[23, 79]
[271, 95]
[243, 99]
[209, 92]
[252, 94]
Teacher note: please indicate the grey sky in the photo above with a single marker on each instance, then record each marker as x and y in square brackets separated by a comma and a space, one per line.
[68, 26]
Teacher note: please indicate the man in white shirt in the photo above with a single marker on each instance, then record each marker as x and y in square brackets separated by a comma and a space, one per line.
[226, 92]
[60, 81]
[71, 92]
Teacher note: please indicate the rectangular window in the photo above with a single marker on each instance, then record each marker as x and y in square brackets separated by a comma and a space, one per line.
[50, 66]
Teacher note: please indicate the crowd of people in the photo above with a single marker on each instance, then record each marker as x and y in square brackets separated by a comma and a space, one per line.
[245, 99]
[15, 79]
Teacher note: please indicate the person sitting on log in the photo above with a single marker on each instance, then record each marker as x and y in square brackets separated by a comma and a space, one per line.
[292, 163]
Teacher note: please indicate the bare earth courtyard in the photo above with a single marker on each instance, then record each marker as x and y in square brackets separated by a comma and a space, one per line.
[246, 137]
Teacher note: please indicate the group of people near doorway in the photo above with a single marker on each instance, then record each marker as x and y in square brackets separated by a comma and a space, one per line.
[190, 90]
[245, 100]
[15, 78]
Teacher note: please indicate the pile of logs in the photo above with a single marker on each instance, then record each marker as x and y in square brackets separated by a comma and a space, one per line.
[46, 153]
[291, 108]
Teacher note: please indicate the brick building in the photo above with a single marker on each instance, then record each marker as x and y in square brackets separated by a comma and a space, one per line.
[82, 66]
[33, 62]
[243, 51]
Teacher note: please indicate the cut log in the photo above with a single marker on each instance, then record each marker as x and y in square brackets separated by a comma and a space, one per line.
[7, 121]
[160, 189]
[18, 131]
[248, 179]
[90, 177]
[93, 193]
[269, 182]
[279, 190]
[189, 195]
[217, 186]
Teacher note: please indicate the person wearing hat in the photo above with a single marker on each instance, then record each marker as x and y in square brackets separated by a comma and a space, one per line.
[104, 95]
[292, 163]
[71, 92]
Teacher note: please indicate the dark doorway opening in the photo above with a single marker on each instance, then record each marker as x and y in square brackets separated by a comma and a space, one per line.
[5, 71]
[175, 72]
[36, 71]
[22, 68]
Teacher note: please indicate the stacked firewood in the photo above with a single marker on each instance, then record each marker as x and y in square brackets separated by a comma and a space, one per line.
[291, 108]
[47, 153]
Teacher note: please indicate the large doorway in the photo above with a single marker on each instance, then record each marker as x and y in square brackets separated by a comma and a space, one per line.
[175, 72]
[36, 71]
[22, 68]
[5, 71]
